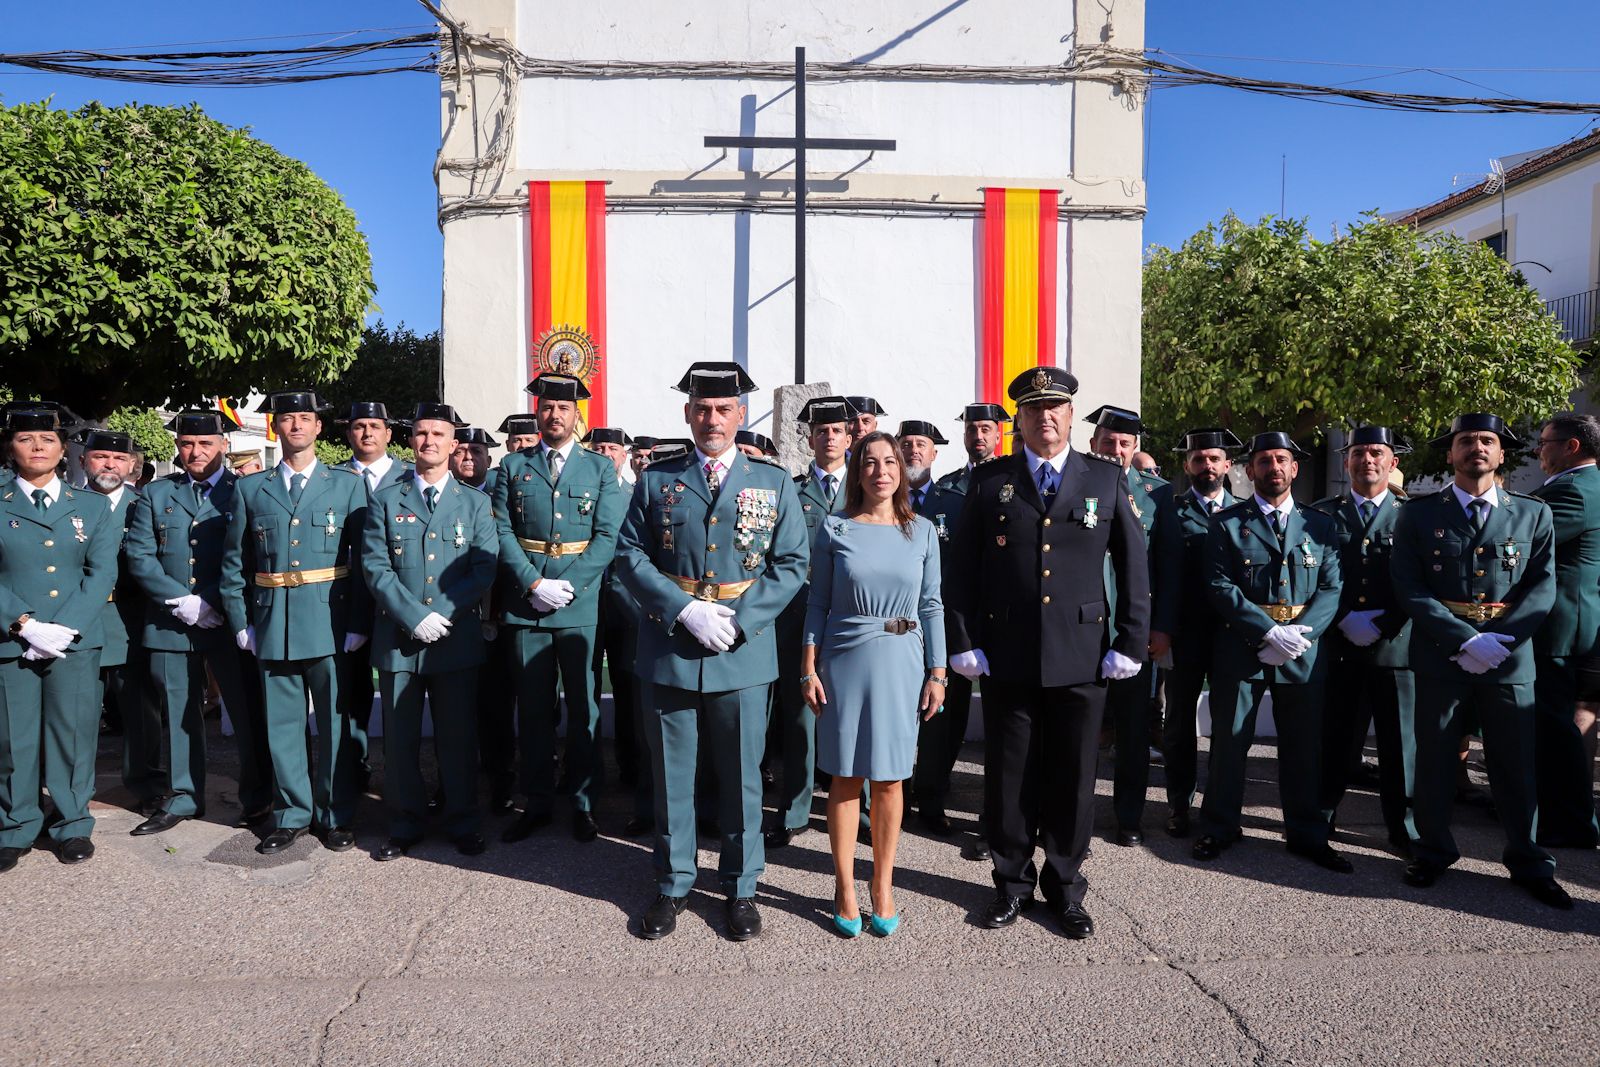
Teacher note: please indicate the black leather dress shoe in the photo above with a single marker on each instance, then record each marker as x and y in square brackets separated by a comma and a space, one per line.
[1178, 823]
[337, 839]
[394, 848]
[1003, 910]
[159, 823]
[744, 921]
[980, 849]
[530, 823]
[638, 826]
[150, 805]
[1546, 891]
[280, 839]
[1422, 874]
[584, 828]
[75, 850]
[249, 819]
[661, 917]
[1075, 922]
[1127, 837]
[1323, 856]
[1207, 848]
[10, 856]
[471, 845]
[935, 822]
[780, 836]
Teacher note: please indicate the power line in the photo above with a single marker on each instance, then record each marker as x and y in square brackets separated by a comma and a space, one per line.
[1381, 66]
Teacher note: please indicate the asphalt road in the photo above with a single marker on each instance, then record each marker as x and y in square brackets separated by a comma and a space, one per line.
[189, 948]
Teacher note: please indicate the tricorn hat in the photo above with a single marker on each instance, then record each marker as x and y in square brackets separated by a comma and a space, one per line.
[607, 435]
[289, 400]
[922, 428]
[432, 409]
[94, 439]
[558, 387]
[38, 415]
[1478, 421]
[759, 440]
[1271, 439]
[822, 410]
[365, 409]
[984, 413]
[515, 425]
[201, 422]
[1209, 437]
[865, 405]
[707, 380]
[1117, 420]
[473, 435]
[1376, 435]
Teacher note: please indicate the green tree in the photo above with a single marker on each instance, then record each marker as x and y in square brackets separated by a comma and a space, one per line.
[149, 433]
[397, 367]
[1264, 327]
[150, 255]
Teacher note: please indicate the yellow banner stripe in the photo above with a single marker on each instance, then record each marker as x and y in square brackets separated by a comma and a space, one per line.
[569, 255]
[1021, 343]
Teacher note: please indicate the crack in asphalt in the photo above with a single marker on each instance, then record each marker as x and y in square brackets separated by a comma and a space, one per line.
[408, 953]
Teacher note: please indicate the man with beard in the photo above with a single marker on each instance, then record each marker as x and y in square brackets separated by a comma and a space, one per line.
[469, 464]
[1184, 623]
[1474, 567]
[1272, 570]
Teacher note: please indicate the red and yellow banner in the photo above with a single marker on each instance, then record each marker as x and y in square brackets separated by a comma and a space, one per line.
[568, 221]
[1019, 287]
[230, 409]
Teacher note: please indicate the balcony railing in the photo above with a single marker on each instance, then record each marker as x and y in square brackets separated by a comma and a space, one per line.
[1577, 315]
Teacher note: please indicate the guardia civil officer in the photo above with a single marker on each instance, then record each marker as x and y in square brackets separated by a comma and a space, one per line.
[1566, 648]
[174, 551]
[1184, 622]
[58, 567]
[107, 461]
[1026, 604]
[982, 427]
[938, 738]
[429, 557]
[1474, 567]
[1371, 681]
[368, 430]
[1272, 571]
[713, 548]
[1130, 701]
[557, 508]
[289, 598]
[793, 732]
[864, 412]
[756, 445]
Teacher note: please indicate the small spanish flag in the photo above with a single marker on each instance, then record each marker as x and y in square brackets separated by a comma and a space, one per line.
[567, 223]
[1019, 287]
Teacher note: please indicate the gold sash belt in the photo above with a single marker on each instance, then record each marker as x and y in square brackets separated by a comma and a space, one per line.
[713, 590]
[295, 579]
[553, 549]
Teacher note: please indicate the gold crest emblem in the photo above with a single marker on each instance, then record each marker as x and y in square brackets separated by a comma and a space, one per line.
[1041, 380]
[566, 350]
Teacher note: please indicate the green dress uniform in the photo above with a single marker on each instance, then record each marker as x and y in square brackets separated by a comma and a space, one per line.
[124, 670]
[418, 561]
[1564, 650]
[355, 684]
[1257, 581]
[742, 545]
[175, 549]
[1373, 683]
[286, 575]
[497, 695]
[1130, 702]
[939, 739]
[795, 730]
[1457, 580]
[1182, 610]
[58, 564]
[557, 528]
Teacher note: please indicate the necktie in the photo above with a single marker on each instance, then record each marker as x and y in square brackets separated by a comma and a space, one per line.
[1048, 479]
[1212, 506]
[830, 485]
[1276, 519]
[41, 501]
[713, 475]
[200, 492]
[1367, 508]
[1480, 513]
[917, 496]
[430, 497]
[372, 479]
[297, 485]
[557, 460]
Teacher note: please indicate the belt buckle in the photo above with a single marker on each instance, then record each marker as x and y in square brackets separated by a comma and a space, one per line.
[704, 590]
[900, 626]
[1479, 613]
[557, 550]
[292, 580]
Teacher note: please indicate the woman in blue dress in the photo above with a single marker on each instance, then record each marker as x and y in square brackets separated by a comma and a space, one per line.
[873, 664]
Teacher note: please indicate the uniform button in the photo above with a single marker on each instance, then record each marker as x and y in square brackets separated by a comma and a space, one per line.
[294, 563]
[713, 520]
[294, 522]
[433, 537]
[1361, 600]
[558, 514]
[196, 522]
[1047, 522]
[1480, 551]
[1478, 596]
[1283, 601]
[50, 569]
[711, 548]
[430, 580]
[54, 594]
[1046, 548]
[1436, 552]
[427, 600]
[1047, 600]
[49, 544]
[430, 556]
[193, 542]
[194, 581]
[1363, 581]
[1046, 574]
[294, 544]
[1478, 574]
[191, 561]
[1283, 581]
[1365, 541]
[711, 574]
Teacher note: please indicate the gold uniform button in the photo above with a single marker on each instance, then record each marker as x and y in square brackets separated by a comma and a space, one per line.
[711, 548]
[1477, 574]
[294, 563]
[1283, 601]
[1047, 522]
[711, 574]
[50, 569]
[1046, 548]
[196, 522]
[1047, 600]
[53, 593]
[558, 514]
[430, 579]
[1046, 574]
[294, 544]
[294, 522]
[1361, 600]
[194, 581]
[433, 537]
[191, 561]
[430, 556]
[714, 520]
[427, 600]
[1480, 551]
[193, 542]
[49, 544]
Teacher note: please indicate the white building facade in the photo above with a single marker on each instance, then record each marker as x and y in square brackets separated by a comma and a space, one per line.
[700, 247]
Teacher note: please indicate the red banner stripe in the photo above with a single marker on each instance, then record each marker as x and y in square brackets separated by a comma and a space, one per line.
[990, 387]
[539, 302]
[1047, 277]
[595, 220]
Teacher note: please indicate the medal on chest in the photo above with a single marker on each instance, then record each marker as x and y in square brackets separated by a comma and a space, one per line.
[1306, 558]
[1091, 512]
[460, 540]
[940, 528]
[330, 526]
[77, 529]
[1510, 555]
[756, 515]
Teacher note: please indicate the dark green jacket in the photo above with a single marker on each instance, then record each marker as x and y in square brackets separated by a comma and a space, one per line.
[1439, 557]
[58, 567]
[1182, 604]
[1573, 626]
[123, 618]
[1246, 569]
[1364, 551]
[174, 548]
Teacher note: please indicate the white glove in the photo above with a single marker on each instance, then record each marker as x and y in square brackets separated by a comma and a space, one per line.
[187, 609]
[432, 627]
[1470, 663]
[1272, 656]
[1360, 628]
[1489, 649]
[353, 642]
[49, 637]
[1289, 640]
[970, 664]
[711, 624]
[246, 639]
[210, 617]
[34, 654]
[550, 594]
[1117, 667]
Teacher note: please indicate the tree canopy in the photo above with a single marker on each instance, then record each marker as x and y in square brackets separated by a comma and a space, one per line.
[150, 256]
[1264, 327]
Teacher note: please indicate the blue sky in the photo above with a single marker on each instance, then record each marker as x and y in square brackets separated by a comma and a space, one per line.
[1210, 150]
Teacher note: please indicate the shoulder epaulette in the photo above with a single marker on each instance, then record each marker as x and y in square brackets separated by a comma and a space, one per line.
[1102, 459]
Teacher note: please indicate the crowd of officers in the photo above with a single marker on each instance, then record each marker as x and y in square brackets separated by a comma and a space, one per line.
[1079, 588]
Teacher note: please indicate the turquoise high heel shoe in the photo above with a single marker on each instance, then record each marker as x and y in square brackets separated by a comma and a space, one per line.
[884, 927]
[847, 928]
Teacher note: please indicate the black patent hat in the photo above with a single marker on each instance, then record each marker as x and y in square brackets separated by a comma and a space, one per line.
[607, 435]
[922, 428]
[366, 409]
[1115, 419]
[515, 425]
[430, 409]
[1376, 435]
[644, 443]
[1271, 439]
[558, 387]
[710, 380]
[984, 413]
[94, 439]
[822, 410]
[1209, 437]
[473, 435]
[287, 401]
[865, 405]
[23, 415]
[1478, 422]
[758, 440]
[201, 422]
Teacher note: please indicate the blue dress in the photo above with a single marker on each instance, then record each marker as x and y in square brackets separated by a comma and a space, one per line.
[862, 576]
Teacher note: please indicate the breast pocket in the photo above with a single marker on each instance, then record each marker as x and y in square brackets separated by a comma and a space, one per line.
[1511, 556]
[266, 538]
[577, 505]
[1446, 559]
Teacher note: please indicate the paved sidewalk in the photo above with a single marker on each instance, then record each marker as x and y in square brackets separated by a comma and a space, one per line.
[189, 948]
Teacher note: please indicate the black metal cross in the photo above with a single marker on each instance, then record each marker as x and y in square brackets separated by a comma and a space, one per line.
[800, 143]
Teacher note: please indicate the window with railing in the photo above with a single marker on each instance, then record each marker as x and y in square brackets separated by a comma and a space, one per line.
[1576, 314]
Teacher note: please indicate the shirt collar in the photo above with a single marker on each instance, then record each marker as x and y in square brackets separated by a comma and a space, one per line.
[1569, 470]
[287, 473]
[1034, 460]
[822, 476]
[1491, 497]
[1207, 501]
[378, 469]
[723, 461]
[52, 488]
[440, 484]
[565, 450]
[1378, 501]
[1282, 509]
[216, 476]
[115, 496]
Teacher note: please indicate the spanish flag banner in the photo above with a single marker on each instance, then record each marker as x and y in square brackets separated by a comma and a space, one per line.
[568, 222]
[230, 409]
[1019, 287]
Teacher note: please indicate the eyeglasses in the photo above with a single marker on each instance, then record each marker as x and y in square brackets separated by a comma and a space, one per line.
[1553, 441]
